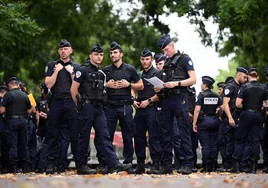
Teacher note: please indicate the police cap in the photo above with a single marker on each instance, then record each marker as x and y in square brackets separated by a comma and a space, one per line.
[221, 84]
[64, 43]
[164, 41]
[97, 48]
[229, 79]
[242, 69]
[159, 57]
[114, 45]
[3, 88]
[252, 69]
[146, 52]
[12, 79]
[208, 80]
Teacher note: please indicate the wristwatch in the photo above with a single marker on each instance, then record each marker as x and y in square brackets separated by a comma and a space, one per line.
[179, 83]
[149, 100]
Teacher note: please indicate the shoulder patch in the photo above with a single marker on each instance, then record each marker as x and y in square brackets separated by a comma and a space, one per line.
[226, 91]
[46, 68]
[190, 63]
[78, 74]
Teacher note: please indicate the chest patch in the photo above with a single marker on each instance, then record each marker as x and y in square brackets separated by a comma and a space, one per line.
[210, 100]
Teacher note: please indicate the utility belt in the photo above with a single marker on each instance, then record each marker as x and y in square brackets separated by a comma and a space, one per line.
[172, 92]
[202, 115]
[92, 101]
[17, 117]
[120, 102]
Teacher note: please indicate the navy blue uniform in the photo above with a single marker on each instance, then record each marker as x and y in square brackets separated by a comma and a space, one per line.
[251, 120]
[62, 109]
[17, 103]
[3, 142]
[92, 115]
[145, 120]
[174, 103]
[119, 106]
[208, 127]
[231, 91]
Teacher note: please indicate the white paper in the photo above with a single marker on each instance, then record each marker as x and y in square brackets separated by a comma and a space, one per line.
[156, 82]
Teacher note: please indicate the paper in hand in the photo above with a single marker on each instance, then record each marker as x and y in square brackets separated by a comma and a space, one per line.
[156, 82]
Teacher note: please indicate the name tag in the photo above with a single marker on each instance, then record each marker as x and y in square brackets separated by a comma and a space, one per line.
[210, 100]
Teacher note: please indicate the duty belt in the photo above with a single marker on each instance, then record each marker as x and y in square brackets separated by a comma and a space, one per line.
[17, 117]
[121, 102]
[92, 101]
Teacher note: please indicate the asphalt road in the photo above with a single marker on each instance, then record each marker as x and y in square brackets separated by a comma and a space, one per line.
[69, 180]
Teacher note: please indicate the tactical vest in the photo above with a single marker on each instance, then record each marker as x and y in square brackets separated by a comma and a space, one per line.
[210, 103]
[254, 96]
[174, 71]
[19, 103]
[93, 87]
[119, 74]
[148, 90]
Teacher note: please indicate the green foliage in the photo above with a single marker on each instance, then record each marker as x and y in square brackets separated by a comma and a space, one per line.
[17, 33]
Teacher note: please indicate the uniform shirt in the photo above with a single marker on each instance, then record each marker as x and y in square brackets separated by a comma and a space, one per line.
[125, 71]
[63, 83]
[209, 102]
[231, 91]
[253, 98]
[148, 90]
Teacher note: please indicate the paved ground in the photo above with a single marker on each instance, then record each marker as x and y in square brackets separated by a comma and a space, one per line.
[69, 180]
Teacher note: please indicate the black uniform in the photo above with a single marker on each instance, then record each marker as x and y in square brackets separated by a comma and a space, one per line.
[208, 126]
[174, 103]
[251, 120]
[145, 121]
[231, 91]
[17, 103]
[119, 106]
[62, 112]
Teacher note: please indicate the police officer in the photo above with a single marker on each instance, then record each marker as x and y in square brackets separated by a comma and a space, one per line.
[221, 86]
[89, 81]
[145, 106]
[121, 78]
[160, 61]
[59, 76]
[177, 74]
[222, 138]
[3, 137]
[32, 142]
[265, 138]
[232, 114]
[208, 123]
[16, 105]
[250, 99]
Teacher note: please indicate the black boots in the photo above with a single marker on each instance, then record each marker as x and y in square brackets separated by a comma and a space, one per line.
[84, 169]
[120, 167]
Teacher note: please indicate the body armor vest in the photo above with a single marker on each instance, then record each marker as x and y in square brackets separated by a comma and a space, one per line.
[119, 74]
[254, 96]
[210, 102]
[93, 87]
[19, 103]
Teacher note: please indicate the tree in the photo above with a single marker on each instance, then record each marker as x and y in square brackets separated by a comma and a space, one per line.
[17, 33]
